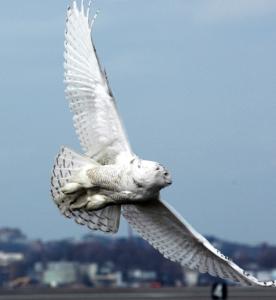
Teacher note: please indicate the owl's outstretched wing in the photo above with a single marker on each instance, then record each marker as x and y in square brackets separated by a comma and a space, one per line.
[172, 236]
[96, 119]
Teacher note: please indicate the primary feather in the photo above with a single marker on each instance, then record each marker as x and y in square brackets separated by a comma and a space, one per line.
[172, 236]
[90, 99]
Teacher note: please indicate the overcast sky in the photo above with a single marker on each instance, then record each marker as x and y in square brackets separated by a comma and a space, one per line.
[195, 83]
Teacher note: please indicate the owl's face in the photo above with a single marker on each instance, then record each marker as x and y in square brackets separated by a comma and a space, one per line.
[149, 174]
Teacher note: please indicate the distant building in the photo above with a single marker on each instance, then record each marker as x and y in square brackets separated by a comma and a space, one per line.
[60, 273]
[8, 258]
[190, 277]
[89, 269]
[137, 278]
[9, 263]
[108, 280]
[105, 275]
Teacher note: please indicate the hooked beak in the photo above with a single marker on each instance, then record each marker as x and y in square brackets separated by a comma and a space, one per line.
[169, 182]
[168, 178]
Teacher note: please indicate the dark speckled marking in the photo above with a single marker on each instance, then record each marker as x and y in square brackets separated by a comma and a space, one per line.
[139, 185]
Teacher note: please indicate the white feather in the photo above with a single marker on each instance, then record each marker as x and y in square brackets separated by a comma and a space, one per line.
[95, 115]
[172, 236]
[67, 164]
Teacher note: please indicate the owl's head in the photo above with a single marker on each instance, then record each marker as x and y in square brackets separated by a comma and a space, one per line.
[149, 174]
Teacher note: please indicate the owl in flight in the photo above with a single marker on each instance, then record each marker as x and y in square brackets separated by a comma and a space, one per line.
[108, 180]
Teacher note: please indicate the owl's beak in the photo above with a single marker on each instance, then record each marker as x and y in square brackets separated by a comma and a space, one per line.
[169, 182]
[168, 178]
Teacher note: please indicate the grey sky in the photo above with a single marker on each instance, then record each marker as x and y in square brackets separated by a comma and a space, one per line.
[195, 83]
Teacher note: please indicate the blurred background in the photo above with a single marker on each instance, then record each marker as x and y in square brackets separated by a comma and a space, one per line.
[195, 83]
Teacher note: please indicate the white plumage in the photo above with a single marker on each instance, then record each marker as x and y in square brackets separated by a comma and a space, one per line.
[93, 188]
[90, 98]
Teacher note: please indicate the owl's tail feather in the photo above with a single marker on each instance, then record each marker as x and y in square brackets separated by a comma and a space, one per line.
[67, 164]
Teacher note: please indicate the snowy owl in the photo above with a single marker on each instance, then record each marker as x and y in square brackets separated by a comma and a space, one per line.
[109, 179]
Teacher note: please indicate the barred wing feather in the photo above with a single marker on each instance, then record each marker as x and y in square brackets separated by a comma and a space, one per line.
[96, 119]
[172, 236]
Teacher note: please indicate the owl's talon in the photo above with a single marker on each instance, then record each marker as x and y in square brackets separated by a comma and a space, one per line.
[96, 202]
[70, 188]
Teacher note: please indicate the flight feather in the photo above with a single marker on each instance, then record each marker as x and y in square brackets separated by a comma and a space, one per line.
[159, 224]
[96, 118]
